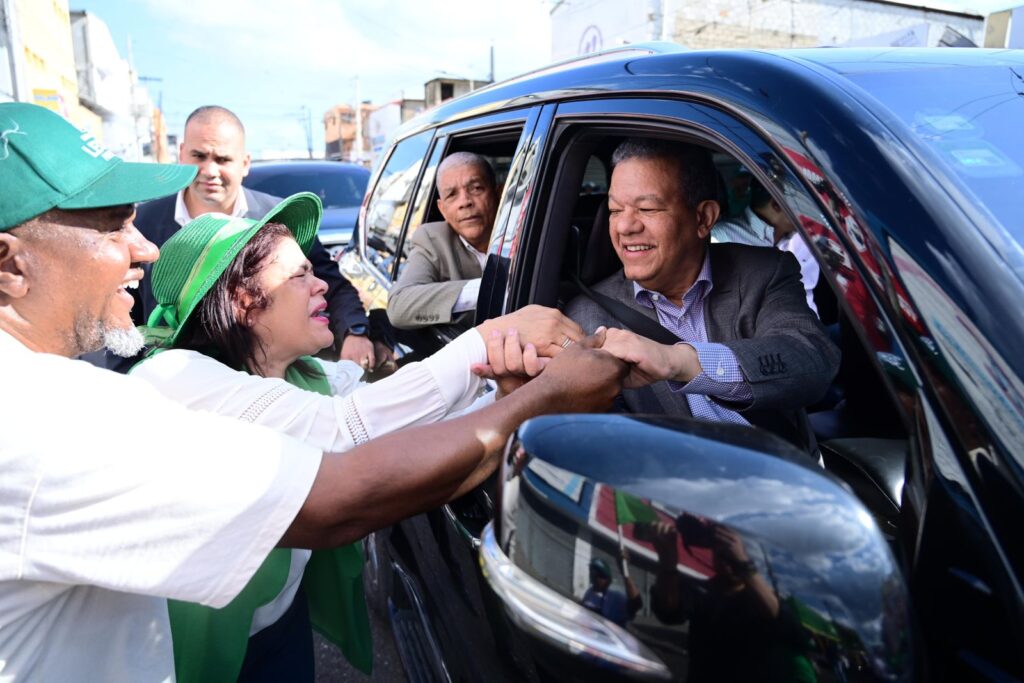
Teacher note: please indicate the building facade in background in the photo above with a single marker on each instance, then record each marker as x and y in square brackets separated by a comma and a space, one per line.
[341, 127]
[1005, 29]
[68, 62]
[132, 127]
[438, 90]
[9, 57]
[386, 119]
[590, 25]
[378, 123]
[44, 62]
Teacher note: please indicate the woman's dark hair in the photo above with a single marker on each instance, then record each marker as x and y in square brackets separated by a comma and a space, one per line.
[214, 328]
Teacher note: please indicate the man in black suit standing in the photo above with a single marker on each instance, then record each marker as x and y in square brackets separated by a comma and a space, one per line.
[214, 141]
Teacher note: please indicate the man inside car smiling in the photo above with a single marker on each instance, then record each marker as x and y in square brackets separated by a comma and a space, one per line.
[745, 347]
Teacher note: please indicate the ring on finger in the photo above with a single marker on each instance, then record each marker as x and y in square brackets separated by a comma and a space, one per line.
[566, 343]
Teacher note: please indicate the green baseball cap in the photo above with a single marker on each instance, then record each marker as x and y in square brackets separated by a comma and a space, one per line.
[195, 257]
[46, 163]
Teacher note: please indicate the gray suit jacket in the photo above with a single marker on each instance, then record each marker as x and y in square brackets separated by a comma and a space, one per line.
[757, 308]
[438, 267]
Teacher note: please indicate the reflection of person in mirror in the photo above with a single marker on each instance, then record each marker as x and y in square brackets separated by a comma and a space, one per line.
[738, 630]
[613, 605]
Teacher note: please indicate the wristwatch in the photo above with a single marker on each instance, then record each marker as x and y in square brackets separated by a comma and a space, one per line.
[358, 330]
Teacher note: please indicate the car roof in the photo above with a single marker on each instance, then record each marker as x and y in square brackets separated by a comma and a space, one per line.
[276, 165]
[756, 84]
[670, 68]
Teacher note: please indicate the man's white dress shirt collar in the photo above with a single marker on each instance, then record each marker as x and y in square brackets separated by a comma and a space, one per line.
[181, 215]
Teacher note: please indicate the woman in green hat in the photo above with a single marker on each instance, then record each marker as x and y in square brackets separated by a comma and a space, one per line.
[240, 314]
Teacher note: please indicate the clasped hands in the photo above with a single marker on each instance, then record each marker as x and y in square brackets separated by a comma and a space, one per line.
[521, 344]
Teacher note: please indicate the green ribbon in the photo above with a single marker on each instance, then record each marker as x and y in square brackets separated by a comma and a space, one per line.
[210, 644]
[207, 263]
[169, 315]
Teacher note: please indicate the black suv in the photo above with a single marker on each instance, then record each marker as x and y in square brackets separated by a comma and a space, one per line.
[724, 554]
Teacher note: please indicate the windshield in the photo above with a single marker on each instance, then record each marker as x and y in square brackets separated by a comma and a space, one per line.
[974, 119]
[339, 189]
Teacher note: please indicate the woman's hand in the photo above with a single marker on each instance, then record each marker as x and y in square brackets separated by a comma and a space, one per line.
[547, 329]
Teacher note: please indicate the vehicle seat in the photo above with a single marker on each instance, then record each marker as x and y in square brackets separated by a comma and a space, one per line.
[599, 257]
[589, 255]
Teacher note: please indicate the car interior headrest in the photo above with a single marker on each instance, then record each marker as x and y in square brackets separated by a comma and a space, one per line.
[599, 257]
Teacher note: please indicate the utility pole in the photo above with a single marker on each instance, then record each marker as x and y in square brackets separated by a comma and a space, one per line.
[157, 135]
[357, 144]
[15, 55]
[160, 97]
[492, 61]
[308, 121]
[134, 107]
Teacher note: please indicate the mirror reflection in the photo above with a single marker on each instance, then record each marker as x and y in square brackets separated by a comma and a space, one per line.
[714, 600]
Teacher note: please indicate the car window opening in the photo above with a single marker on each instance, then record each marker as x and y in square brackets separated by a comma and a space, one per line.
[857, 425]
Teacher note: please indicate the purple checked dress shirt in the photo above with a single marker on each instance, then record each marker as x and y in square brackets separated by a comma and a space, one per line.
[721, 376]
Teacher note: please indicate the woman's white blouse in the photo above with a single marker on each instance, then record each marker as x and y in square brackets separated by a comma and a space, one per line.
[419, 393]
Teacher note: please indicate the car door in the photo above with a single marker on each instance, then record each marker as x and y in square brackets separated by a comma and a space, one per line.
[433, 591]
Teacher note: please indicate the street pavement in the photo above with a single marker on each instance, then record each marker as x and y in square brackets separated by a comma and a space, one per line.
[332, 667]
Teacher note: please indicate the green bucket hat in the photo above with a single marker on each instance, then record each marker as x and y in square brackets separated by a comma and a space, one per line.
[47, 163]
[195, 257]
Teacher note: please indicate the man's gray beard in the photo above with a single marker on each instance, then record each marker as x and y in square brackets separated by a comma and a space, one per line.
[123, 341]
[93, 335]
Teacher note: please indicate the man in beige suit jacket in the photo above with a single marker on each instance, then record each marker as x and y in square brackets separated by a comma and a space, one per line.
[440, 281]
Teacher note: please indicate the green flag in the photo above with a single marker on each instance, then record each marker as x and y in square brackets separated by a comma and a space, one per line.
[631, 509]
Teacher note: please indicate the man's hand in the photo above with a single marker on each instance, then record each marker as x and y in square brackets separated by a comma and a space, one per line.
[729, 545]
[650, 361]
[509, 364]
[359, 349]
[584, 378]
[666, 544]
[385, 358]
[546, 328]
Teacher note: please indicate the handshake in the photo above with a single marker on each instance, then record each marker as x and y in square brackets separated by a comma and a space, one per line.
[538, 341]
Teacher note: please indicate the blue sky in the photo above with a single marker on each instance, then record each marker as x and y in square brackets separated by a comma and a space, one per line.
[267, 59]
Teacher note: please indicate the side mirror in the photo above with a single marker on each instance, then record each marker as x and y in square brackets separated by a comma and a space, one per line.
[664, 548]
[375, 242]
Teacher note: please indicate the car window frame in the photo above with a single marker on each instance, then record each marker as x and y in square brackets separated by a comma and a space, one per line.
[384, 278]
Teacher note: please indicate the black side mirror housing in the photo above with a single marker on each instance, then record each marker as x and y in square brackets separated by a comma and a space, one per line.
[673, 548]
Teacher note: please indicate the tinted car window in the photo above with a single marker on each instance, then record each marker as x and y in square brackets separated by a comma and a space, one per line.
[339, 188]
[386, 210]
[972, 119]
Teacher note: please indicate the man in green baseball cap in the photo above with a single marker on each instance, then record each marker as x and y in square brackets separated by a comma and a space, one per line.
[115, 498]
[62, 189]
